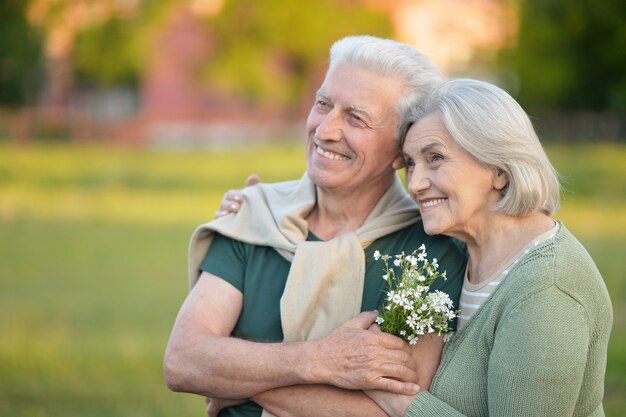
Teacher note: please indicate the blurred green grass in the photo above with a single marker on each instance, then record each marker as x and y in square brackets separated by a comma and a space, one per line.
[93, 258]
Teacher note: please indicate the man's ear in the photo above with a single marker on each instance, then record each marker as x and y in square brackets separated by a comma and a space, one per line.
[500, 180]
[398, 162]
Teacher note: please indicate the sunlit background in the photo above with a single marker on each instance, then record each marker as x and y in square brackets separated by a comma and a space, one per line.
[122, 122]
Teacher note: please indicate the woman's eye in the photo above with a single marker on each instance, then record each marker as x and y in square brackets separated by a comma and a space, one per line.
[436, 157]
[409, 163]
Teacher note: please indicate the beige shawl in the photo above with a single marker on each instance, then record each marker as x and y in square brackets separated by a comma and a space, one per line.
[325, 283]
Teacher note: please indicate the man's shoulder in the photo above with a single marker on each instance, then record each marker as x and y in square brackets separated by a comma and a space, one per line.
[411, 237]
[414, 230]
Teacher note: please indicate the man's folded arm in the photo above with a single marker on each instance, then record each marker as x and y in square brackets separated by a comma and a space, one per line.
[202, 358]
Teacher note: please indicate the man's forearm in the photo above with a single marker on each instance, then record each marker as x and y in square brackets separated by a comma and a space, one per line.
[351, 357]
[227, 367]
[202, 358]
[317, 401]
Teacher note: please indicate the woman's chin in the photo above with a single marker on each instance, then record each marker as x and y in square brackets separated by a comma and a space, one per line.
[431, 229]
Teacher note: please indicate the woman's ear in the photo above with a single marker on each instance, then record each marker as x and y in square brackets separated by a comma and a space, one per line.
[501, 180]
[398, 162]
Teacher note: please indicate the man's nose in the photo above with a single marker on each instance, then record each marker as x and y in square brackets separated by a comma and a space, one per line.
[330, 127]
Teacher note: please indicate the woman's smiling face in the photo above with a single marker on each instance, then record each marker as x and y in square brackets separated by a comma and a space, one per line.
[456, 193]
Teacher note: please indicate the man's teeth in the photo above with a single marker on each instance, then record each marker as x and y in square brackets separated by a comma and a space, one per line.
[431, 203]
[331, 155]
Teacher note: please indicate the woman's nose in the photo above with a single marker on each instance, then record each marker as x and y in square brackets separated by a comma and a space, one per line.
[417, 180]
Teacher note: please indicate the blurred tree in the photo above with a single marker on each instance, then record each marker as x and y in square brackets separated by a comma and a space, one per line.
[262, 50]
[269, 49]
[20, 54]
[571, 54]
[115, 50]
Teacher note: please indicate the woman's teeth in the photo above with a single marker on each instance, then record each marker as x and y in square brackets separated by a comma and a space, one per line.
[431, 203]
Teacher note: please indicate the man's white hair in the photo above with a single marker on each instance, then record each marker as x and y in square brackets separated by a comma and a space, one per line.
[392, 59]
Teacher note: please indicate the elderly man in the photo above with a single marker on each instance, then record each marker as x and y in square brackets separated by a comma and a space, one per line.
[272, 320]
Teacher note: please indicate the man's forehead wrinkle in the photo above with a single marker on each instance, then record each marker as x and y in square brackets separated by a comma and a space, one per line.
[386, 115]
[322, 93]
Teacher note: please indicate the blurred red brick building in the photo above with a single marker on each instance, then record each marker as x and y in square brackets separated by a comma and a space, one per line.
[172, 109]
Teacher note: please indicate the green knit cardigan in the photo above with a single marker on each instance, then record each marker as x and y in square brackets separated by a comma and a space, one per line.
[536, 347]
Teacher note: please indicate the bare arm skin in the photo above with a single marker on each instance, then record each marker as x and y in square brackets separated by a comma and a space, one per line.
[317, 401]
[395, 405]
[307, 401]
[201, 358]
[427, 352]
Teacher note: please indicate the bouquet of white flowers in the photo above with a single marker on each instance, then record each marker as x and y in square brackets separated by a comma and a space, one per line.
[411, 310]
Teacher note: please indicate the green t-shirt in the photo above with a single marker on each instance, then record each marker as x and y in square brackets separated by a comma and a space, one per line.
[260, 273]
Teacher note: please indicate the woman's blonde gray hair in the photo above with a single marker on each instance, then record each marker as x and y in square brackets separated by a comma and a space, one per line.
[489, 124]
[393, 59]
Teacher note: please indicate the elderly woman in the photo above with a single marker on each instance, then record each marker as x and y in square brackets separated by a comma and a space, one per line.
[535, 315]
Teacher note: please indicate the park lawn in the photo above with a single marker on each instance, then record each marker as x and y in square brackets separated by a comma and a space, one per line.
[93, 265]
[86, 310]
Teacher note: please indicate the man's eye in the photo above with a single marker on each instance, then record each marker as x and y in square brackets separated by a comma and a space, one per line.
[357, 120]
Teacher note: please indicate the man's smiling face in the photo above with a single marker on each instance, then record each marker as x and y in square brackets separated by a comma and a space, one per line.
[351, 130]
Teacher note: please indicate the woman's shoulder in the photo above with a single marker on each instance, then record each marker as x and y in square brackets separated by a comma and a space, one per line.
[561, 264]
[572, 265]
[576, 272]
[558, 260]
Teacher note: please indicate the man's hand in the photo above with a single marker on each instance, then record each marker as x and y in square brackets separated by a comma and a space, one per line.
[353, 357]
[231, 202]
